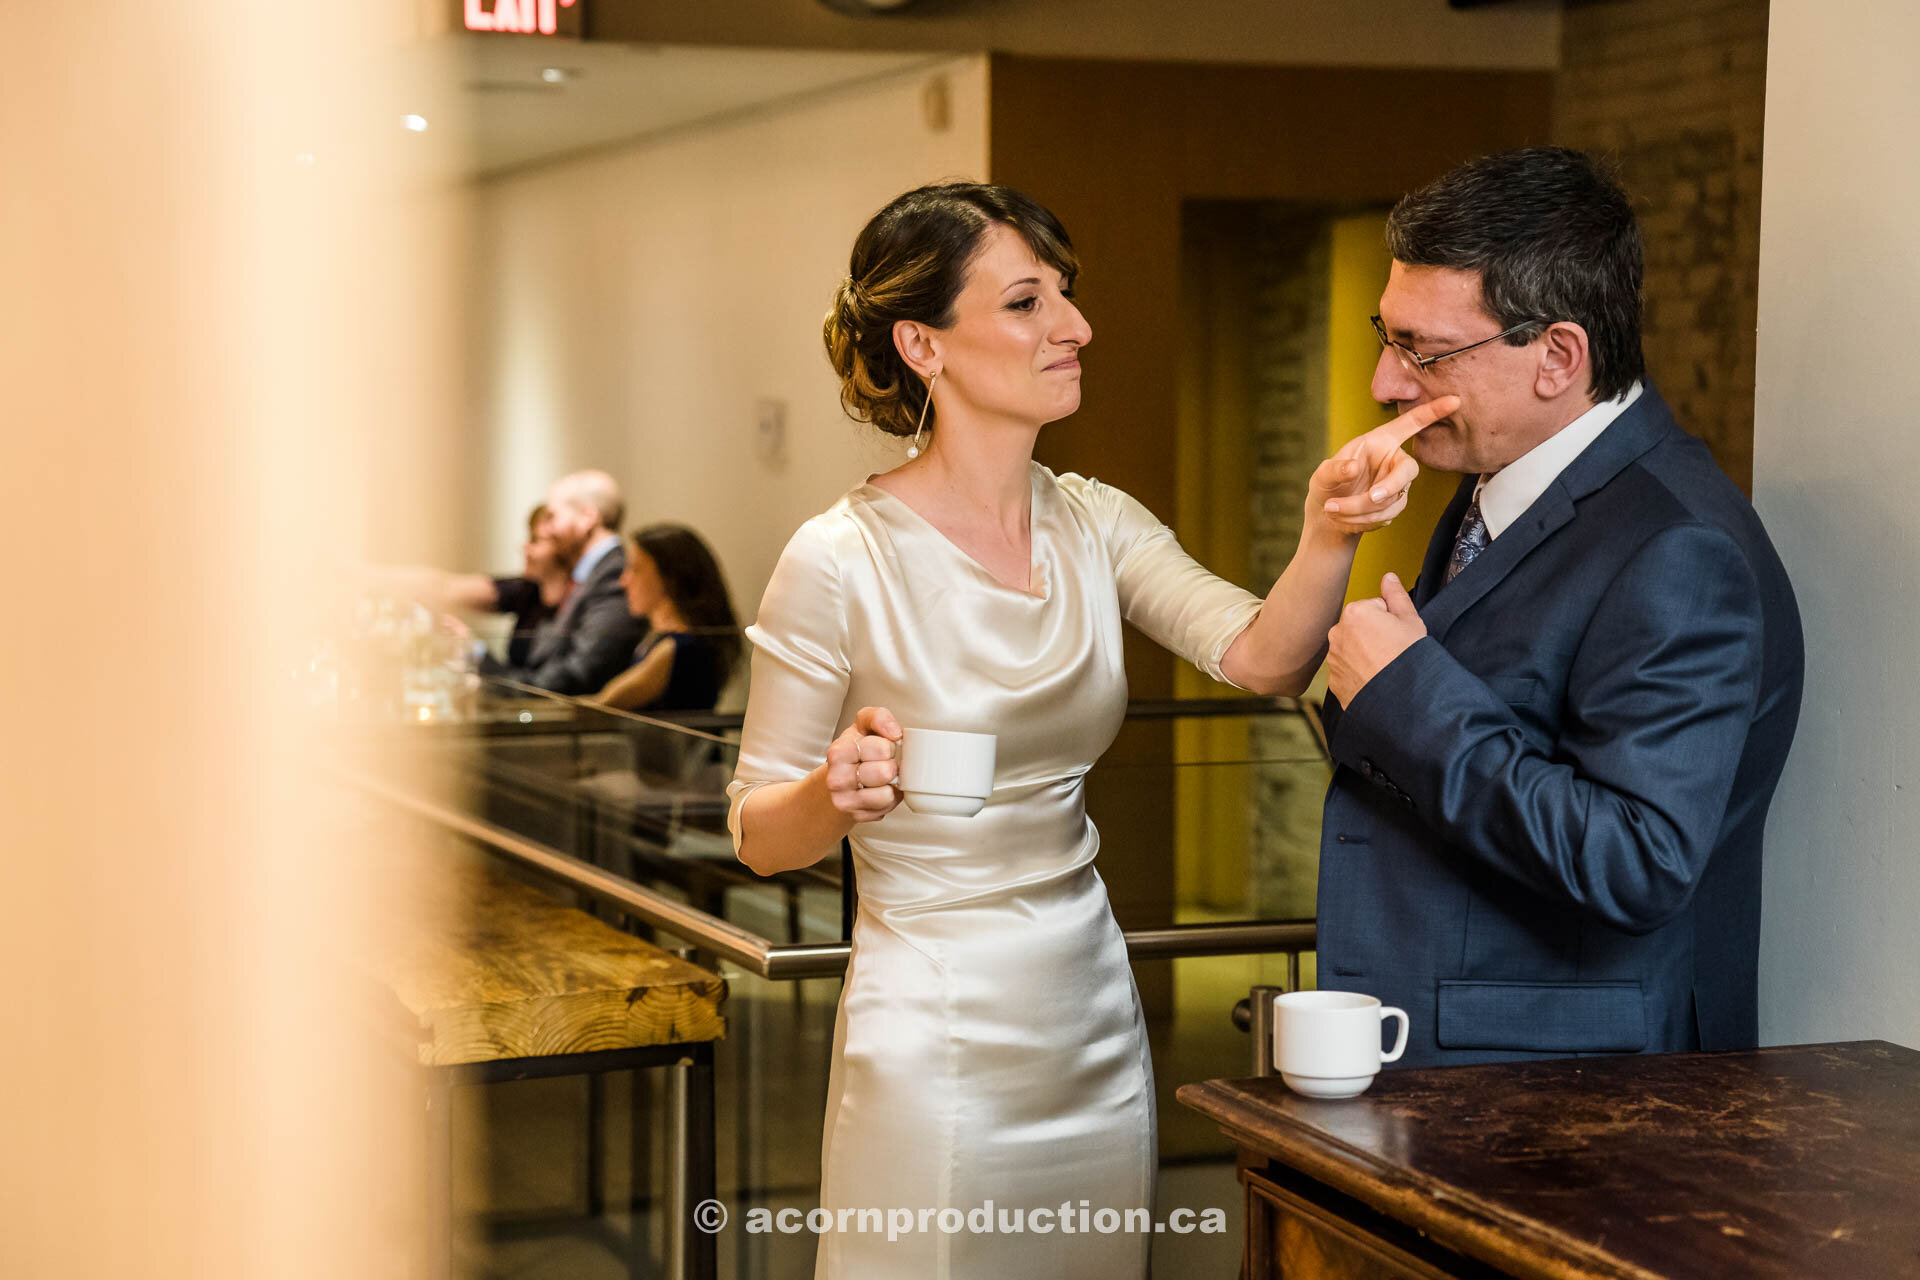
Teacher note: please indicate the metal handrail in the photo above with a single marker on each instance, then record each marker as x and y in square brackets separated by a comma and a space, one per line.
[1211, 708]
[791, 961]
[710, 725]
[1255, 937]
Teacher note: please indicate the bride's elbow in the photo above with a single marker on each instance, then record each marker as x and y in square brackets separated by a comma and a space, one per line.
[754, 860]
[1270, 684]
[1291, 687]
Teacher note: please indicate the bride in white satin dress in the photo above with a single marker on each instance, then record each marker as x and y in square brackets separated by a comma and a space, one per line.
[989, 1055]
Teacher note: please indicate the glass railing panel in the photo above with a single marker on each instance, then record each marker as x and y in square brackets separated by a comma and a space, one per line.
[1209, 819]
[1206, 818]
[641, 796]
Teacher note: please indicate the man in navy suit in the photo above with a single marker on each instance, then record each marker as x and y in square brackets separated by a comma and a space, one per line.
[1555, 757]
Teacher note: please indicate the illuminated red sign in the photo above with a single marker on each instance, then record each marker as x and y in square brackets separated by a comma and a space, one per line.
[525, 17]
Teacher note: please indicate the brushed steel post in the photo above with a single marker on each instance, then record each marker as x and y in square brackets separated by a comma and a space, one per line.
[1260, 1028]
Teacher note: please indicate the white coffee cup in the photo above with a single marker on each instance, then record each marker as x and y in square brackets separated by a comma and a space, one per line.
[1327, 1043]
[946, 772]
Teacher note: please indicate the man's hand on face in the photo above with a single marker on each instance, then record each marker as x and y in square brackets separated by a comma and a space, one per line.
[1369, 635]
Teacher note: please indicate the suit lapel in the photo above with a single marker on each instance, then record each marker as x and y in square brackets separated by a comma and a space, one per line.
[1629, 436]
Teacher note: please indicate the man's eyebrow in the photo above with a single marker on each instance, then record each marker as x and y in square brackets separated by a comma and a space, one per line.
[1413, 335]
[1017, 283]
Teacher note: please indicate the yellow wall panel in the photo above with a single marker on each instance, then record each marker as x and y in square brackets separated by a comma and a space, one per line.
[1358, 274]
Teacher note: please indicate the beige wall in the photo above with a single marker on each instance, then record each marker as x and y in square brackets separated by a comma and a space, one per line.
[1835, 453]
[638, 305]
[1369, 33]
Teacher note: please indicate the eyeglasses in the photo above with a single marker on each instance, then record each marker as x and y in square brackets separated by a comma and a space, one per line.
[1416, 364]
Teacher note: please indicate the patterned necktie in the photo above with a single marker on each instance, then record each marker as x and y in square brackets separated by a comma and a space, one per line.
[1469, 542]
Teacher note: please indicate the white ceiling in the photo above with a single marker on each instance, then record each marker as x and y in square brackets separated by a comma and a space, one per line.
[615, 94]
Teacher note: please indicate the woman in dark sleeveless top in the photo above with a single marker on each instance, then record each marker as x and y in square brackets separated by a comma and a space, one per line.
[674, 582]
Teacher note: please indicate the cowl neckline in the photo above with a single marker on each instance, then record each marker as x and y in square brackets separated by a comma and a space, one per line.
[1039, 504]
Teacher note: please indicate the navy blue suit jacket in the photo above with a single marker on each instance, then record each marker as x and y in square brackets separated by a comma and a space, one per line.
[1543, 831]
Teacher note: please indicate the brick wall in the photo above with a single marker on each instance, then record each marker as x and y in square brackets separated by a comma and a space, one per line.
[1675, 92]
[1289, 262]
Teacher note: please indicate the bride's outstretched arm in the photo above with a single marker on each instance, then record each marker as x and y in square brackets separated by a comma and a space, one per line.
[1360, 488]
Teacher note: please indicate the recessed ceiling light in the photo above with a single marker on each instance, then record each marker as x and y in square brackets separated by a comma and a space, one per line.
[416, 123]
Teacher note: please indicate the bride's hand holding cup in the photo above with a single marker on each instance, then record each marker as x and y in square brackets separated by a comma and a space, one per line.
[1364, 486]
[863, 767]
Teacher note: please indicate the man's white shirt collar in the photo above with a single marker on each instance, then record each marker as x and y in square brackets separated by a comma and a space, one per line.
[1507, 493]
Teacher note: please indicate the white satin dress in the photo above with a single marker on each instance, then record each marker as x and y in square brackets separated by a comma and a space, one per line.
[989, 1045]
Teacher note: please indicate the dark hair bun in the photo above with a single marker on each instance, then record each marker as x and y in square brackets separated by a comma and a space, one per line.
[874, 380]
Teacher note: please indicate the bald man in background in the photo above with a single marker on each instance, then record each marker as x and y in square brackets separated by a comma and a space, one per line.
[594, 637]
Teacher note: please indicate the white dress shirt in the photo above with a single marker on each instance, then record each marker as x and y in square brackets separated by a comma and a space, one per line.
[1506, 494]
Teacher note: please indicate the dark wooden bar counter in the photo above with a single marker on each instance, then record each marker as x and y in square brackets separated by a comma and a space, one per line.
[1801, 1161]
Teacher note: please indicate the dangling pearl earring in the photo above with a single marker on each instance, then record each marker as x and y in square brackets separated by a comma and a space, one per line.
[913, 450]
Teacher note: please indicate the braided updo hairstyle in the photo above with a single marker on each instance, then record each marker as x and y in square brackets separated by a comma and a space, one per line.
[910, 263]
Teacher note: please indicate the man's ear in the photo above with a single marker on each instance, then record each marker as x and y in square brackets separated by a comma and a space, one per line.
[918, 345]
[1563, 360]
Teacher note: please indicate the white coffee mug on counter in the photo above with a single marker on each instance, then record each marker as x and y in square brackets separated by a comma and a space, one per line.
[946, 772]
[1326, 1044]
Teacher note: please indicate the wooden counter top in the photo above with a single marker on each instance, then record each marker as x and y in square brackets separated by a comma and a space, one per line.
[1788, 1162]
[508, 972]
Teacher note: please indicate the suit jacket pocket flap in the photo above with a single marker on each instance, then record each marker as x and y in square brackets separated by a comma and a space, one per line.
[1544, 1017]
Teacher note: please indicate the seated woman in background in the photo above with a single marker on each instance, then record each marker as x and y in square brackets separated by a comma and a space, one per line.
[673, 581]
